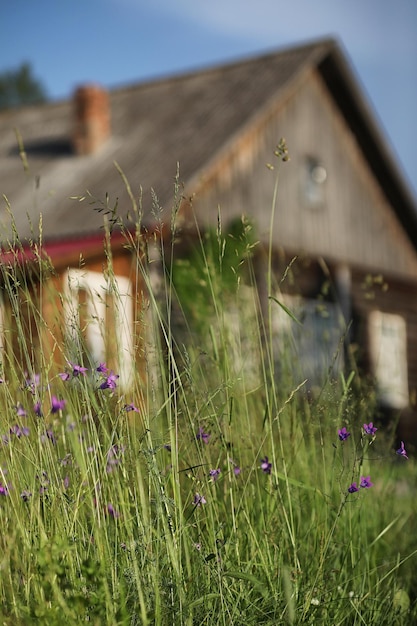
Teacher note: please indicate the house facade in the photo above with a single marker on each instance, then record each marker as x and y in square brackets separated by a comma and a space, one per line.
[344, 233]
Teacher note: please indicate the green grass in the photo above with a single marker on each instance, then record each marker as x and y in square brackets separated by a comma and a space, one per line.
[98, 506]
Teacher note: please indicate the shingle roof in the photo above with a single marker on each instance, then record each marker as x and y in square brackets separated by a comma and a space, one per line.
[184, 119]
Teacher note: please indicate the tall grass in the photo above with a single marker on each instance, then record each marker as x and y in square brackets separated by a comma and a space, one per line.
[215, 489]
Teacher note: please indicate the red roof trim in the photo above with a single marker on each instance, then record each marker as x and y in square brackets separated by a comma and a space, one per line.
[62, 248]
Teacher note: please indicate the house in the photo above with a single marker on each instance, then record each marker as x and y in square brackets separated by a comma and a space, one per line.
[344, 208]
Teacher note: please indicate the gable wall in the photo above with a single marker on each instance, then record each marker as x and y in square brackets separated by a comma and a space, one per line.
[354, 225]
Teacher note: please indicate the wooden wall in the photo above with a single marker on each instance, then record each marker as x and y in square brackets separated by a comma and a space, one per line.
[355, 223]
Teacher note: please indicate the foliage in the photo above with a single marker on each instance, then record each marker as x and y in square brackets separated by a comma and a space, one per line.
[210, 268]
[209, 492]
[19, 87]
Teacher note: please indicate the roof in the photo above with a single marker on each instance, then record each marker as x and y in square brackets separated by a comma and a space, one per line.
[186, 119]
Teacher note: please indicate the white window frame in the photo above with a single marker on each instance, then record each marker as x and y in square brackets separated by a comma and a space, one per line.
[388, 352]
[97, 286]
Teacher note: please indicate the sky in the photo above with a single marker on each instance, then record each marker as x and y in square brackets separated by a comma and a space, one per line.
[122, 42]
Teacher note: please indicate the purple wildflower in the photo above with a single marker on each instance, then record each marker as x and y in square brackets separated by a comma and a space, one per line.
[214, 474]
[64, 376]
[343, 434]
[110, 382]
[37, 408]
[366, 482]
[114, 457]
[199, 500]
[4, 490]
[402, 451]
[19, 431]
[369, 429]
[57, 405]
[78, 369]
[49, 435]
[130, 407]
[66, 482]
[353, 488]
[202, 436]
[32, 382]
[20, 411]
[266, 466]
[26, 495]
[102, 369]
[236, 468]
[66, 460]
[44, 482]
[112, 511]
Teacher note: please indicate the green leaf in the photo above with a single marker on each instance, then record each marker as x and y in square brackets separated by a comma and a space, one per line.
[286, 309]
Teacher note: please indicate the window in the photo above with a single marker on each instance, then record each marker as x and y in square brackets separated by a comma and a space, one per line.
[99, 319]
[313, 183]
[388, 351]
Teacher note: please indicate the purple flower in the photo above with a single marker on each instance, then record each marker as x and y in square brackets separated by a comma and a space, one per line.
[199, 500]
[49, 435]
[37, 408]
[402, 451]
[366, 482]
[202, 436]
[20, 411]
[353, 488]
[66, 482]
[4, 490]
[66, 460]
[266, 466]
[236, 468]
[57, 405]
[19, 431]
[78, 369]
[26, 495]
[44, 482]
[112, 511]
[64, 376]
[102, 368]
[114, 457]
[214, 473]
[369, 429]
[110, 381]
[343, 434]
[32, 382]
[130, 407]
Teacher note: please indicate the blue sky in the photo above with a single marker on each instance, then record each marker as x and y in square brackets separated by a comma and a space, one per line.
[118, 42]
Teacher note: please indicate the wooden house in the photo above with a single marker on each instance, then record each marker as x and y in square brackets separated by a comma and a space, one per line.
[344, 210]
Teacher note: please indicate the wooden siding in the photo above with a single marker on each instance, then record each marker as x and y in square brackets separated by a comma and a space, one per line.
[355, 225]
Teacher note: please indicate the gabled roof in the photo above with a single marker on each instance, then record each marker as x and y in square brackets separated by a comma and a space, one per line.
[188, 119]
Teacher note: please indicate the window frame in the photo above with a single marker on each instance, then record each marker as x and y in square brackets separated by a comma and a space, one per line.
[98, 286]
[389, 358]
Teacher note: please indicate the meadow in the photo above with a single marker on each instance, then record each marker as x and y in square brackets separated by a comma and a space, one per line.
[215, 490]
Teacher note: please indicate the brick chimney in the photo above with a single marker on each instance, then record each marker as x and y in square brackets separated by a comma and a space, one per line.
[92, 119]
